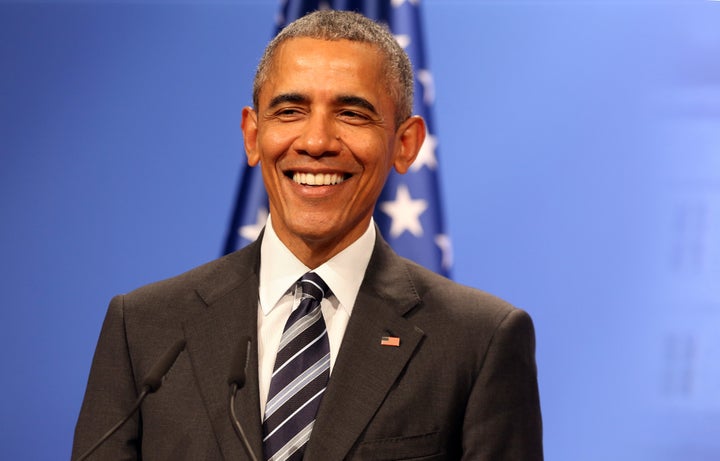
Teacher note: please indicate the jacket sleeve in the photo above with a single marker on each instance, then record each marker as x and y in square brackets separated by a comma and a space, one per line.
[502, 419]
[110, 394]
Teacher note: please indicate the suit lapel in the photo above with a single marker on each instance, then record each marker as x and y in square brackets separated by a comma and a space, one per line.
[365, 370]
[231, 296]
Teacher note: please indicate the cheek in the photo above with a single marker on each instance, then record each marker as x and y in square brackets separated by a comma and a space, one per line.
[375, 152]
[275, 141]
[382, 160]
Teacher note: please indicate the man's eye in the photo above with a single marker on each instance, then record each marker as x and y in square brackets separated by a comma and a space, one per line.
[351, 114]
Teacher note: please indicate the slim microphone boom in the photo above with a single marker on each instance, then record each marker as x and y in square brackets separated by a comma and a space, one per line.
[236, 381]
[150, 384]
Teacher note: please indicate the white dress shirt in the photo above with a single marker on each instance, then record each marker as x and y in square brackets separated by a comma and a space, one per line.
[280, 270]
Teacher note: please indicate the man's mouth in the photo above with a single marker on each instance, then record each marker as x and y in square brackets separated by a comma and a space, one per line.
[319, 179]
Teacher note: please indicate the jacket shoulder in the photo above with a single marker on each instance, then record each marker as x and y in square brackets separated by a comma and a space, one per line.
[434, 288]
[202, 283]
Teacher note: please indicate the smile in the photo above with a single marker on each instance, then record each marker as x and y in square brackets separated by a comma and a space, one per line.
[319, 179]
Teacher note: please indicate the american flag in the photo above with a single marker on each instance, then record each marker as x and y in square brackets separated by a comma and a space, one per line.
[409, 211]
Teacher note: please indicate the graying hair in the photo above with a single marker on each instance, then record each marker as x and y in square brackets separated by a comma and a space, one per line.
[348, 25]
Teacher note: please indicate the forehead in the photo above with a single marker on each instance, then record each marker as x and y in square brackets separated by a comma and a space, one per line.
[329, 49]
[312, 64]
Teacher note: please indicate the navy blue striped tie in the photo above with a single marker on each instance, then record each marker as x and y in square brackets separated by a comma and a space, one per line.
[300, 375]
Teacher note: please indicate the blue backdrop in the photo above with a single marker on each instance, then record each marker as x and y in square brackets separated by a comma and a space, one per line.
[580, 163]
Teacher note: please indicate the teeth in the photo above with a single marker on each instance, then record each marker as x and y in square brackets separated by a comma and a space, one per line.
[320, 179]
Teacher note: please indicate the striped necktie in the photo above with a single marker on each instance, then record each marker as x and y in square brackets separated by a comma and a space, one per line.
[300, 375]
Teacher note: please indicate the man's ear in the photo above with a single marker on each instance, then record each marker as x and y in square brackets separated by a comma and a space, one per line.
[410, 137]
[249, 128]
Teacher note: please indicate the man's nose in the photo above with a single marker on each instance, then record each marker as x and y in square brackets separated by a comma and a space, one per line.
[320, 135]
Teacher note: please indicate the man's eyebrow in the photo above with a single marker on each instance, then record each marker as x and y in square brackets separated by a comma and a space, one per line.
[287, 97]
[356, 101]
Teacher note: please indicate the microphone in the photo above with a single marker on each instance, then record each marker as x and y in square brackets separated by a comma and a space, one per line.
[150, 384]
[236, 381]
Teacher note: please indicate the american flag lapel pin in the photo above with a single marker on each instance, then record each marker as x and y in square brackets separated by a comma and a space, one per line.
[393, 341]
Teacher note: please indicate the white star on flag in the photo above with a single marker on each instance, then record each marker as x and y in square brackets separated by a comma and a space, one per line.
[425, 78]
[398, 3]
[404, 212]
[445, 244]
[252, 231]
[403, 40]
[426, 156]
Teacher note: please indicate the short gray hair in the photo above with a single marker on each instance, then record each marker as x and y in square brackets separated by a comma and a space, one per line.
[348, 25]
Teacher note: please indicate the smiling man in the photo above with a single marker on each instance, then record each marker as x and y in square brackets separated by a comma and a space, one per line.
[326, 134]
[356, 353]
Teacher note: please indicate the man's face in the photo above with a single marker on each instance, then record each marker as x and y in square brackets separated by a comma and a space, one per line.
[325, 137]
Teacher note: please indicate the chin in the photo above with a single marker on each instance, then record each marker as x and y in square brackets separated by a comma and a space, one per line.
[310, 230]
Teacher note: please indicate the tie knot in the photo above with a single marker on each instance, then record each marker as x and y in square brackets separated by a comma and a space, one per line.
[312, 285]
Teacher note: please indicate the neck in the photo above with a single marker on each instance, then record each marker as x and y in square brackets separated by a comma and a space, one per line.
[314, 251]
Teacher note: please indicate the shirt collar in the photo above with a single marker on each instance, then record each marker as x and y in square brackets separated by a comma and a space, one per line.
[343, 273]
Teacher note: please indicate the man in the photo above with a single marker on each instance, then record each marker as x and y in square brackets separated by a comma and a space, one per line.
[419, 367]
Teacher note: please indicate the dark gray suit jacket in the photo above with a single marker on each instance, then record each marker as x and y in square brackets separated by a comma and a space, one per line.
[461, 385]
